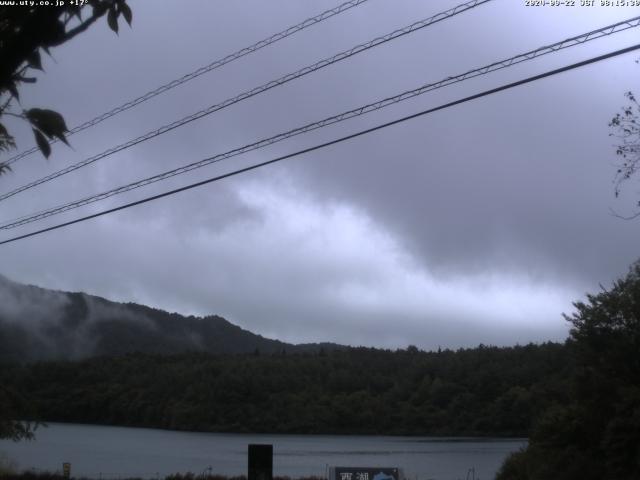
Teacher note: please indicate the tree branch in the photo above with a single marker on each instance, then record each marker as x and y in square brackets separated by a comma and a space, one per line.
[617, 215]
[98, 12]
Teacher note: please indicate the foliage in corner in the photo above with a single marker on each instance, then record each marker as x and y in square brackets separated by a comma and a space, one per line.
[595, 435]
[10, 403]
[26, 32]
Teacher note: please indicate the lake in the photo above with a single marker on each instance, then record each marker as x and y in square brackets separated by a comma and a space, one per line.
[113, 452]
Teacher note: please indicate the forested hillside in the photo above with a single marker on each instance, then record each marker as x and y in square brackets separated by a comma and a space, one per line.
[481, 391]
[578, 402]
[40, 324]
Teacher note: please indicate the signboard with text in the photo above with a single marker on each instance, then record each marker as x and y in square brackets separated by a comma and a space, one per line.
[365, 473]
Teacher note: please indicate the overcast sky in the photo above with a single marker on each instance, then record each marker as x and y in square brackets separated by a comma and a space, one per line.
[481, 223]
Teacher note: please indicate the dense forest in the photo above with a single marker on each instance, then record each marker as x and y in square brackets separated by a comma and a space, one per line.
[594, 434]
[482, 391]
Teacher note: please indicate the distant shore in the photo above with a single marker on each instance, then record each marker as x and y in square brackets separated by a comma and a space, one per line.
[484, 392]
[419, 437]
[28, 475]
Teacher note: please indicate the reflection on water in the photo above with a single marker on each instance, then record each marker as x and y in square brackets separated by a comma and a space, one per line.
[112, 452]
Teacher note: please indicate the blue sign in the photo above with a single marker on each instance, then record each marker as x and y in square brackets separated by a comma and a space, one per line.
[366, 473]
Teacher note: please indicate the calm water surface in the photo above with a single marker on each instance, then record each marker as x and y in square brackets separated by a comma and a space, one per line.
[112, 452]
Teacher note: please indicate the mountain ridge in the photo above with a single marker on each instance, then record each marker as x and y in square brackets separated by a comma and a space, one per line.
[39, 324]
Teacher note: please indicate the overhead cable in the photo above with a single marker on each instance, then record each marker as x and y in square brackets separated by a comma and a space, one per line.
[201, 71]
[332, 142]
[255, 91]
[576, 40]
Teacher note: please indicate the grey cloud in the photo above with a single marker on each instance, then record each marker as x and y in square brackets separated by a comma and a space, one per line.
[516, 186]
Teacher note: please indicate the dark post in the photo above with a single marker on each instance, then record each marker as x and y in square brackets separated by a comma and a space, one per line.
[260, 462]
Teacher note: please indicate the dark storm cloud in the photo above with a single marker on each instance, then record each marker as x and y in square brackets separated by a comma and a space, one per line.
[480, 223]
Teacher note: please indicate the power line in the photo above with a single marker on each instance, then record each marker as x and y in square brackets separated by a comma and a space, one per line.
[333, 142]
[202, 70]
[255, 91]
[576, 40]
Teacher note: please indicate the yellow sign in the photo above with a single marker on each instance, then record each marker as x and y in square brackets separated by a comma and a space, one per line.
[66, 470]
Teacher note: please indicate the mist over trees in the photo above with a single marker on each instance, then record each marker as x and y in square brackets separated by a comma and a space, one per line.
[37, 324]
[578, 402]
[194, 373]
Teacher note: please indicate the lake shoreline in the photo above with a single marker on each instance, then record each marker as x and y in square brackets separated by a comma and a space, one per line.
[106, 452]
[435, 436]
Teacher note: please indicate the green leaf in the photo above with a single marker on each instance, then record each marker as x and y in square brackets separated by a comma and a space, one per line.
[42, 142]
[50, 123]
[126, 12]
[34, 60]
[112, 19]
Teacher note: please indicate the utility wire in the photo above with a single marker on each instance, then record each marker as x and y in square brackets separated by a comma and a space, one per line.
[201, 71]
[255, 91]
[592, 35]
[333, 142]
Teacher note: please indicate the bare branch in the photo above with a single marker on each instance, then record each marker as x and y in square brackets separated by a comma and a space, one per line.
[617, 215]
